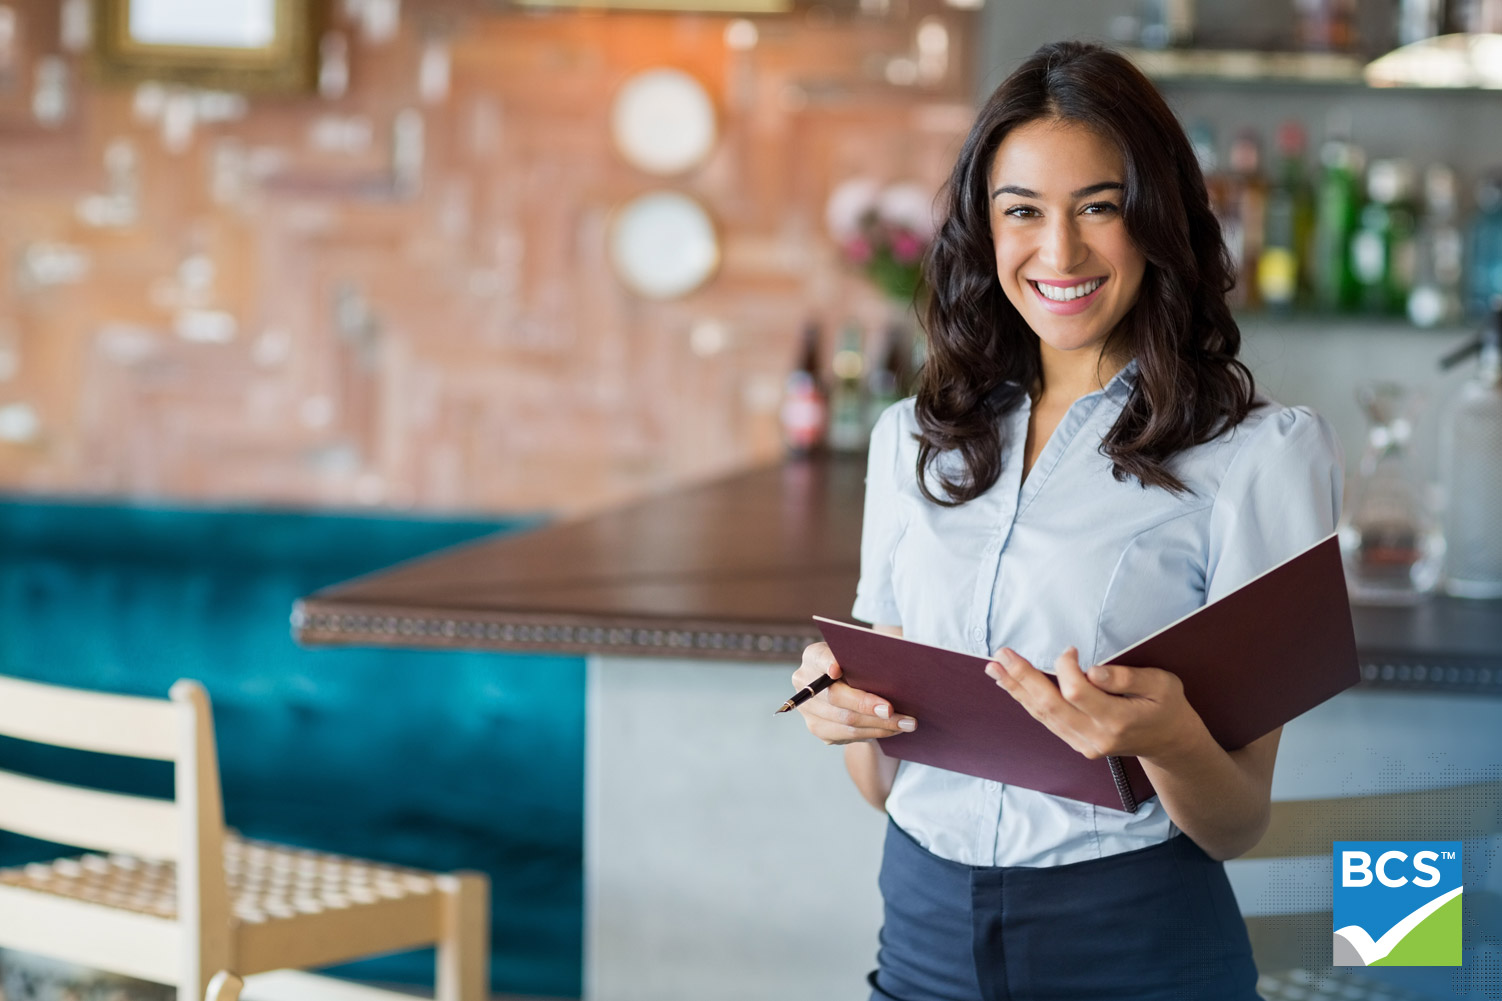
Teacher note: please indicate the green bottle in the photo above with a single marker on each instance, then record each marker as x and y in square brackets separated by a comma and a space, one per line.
[1382, 246]
[1337, 214]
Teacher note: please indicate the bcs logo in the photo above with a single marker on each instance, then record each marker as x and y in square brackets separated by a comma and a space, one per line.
[1397, 903]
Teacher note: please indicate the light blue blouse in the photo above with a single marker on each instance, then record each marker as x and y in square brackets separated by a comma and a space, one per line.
[1071, 557]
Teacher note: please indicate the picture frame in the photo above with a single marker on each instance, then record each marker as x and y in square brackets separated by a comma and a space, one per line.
[265, 46]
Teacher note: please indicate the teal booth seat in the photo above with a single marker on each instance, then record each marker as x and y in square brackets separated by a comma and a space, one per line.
[442, 760]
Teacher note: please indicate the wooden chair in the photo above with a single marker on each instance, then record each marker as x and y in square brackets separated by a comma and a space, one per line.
[168, 895]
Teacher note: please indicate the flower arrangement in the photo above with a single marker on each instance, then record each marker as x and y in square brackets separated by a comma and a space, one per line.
[884, 231]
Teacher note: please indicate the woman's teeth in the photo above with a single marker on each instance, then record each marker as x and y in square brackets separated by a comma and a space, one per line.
[1058, 294]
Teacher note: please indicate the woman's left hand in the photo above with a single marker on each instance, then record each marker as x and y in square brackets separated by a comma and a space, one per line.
[1137, 711]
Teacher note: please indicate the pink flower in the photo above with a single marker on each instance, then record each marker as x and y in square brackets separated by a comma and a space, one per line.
[906, 247]
[858, 250]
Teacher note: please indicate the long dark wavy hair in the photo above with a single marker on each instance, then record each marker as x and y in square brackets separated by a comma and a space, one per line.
[982, 356]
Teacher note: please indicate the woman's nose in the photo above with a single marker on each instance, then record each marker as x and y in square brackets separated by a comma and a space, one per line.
[1062, 249]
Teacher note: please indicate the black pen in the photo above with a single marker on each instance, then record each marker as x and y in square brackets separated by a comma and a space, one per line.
[820, 683]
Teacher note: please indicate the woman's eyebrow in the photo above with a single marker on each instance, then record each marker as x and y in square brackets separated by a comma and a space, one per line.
[1085, 192]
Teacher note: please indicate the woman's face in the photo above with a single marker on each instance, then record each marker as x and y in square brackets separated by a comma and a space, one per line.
[1063, 255]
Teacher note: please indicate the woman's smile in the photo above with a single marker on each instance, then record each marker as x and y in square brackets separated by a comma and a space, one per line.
[1068, 297]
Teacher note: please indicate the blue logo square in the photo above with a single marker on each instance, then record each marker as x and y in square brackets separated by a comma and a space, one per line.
[1397, 903]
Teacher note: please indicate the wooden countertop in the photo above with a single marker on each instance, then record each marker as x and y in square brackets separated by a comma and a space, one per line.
[732, 570]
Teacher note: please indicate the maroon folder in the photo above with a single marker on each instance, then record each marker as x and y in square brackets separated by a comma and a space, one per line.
[1251, 661]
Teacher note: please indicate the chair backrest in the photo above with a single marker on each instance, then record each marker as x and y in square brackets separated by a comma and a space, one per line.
[178, 729]
[187, 830]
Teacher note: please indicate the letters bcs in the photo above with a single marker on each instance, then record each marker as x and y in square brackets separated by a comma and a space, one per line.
[1356, 868]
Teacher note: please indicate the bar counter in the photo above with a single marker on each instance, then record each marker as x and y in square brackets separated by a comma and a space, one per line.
[732, 570]
[727, 855]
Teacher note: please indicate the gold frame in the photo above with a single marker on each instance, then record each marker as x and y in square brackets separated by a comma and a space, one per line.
[288, 65]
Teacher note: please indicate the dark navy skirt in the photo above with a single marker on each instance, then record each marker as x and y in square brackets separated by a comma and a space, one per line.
[1156, 924]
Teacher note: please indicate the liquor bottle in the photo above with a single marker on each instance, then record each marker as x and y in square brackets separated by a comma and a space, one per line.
[1167, 23]
[1437, 248]
[1382, 246]
[1484, 248]
[886, 379]
[1283, 266]
[805, 409]
[1419, 19]
[847, 416]
[1326, 25]
[1246, 210]
[1337, 211]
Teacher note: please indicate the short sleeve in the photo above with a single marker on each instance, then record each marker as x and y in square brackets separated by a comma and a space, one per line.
[1281, 494]
[875, 600]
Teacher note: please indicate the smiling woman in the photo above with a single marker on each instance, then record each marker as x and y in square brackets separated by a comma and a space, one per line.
[1066, 479]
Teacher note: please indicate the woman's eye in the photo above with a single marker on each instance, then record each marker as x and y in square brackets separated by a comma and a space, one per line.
[1101, 208]
[1021, 211]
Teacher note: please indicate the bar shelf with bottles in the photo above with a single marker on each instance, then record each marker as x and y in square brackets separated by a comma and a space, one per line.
[1343, 239]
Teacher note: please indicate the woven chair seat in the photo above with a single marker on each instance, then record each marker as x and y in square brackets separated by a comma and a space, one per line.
[267, 882]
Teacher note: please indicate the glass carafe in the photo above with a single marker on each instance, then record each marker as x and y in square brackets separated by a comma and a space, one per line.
[1392, 547]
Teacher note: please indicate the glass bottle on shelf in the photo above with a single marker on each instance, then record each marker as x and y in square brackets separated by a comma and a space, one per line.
[1484, 249]
[805, 408]
[1337, 210]
[1382, 246]
[1246, 216]
[1326, 25]
[1390, 544]
[1283, 266]
[847, 418]
[1167, 23]
[1437, 248]
[886, 379]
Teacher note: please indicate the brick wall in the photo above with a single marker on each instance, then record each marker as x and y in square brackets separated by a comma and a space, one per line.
[282, 320]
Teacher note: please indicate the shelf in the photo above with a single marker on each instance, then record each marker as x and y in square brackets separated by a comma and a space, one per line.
[1249, 66]
[1459, 70]
[1350, 323]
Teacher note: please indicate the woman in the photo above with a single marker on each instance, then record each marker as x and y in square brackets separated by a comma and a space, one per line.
[1085, 462]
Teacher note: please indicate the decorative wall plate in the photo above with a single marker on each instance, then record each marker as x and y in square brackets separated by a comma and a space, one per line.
[663, 245]
[663, 121]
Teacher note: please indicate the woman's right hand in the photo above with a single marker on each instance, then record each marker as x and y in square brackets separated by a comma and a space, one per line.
[841, 714]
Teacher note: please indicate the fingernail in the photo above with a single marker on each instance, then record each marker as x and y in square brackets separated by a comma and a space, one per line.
[993, 670]
[883, 711]
[906, 724]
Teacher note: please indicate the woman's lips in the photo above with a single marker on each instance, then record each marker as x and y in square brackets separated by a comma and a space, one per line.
[1072, 306]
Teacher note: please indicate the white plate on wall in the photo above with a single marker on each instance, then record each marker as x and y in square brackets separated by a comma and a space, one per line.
[663, 121]
[663, 245]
